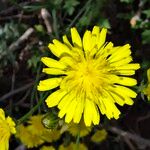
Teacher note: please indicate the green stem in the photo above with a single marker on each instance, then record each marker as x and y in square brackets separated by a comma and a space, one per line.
[77, 141]
[55, 24]
[35, 108]
[35, 85]
[78, 15]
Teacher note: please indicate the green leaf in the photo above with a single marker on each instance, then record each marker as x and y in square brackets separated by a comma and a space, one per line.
[33, 61]
[70, 5]
[34, 7]
[126, 1]
[39, 28]
[146, 12]
[104, 23]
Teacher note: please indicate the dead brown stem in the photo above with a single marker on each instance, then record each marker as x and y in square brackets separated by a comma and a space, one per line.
[134, 137]
[23, 88]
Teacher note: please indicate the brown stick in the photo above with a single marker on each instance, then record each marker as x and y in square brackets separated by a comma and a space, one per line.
[134, 137]
[15, 45]
[23, 88]
[16, 16]
[13, 8]
[46, 17]
[23, 38]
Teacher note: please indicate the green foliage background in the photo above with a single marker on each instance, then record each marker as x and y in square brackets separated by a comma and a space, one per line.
[128, 21]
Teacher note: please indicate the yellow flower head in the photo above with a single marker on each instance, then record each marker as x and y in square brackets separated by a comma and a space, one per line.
[99, 136]
[29, 139]
[79, 129]
[73, 146]
[35, 123]
[91, 75]
[51, 135]
[35, 134]
[47, 148]
[37, 127]
[7, 127]
[147, 89]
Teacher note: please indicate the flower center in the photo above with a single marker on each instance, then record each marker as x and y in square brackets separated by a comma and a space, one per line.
[89, 76]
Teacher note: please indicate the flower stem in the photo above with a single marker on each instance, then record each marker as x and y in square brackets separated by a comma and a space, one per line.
[35, 108]
[77, 141]
[78, 15]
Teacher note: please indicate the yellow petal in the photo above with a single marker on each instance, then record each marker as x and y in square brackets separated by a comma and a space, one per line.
[95, 37]
[53, 71]
[4, 145]
[63, 49]
[96, 116]
[111, 110]
[78, 53]
[126, 81]
[87, 41]
[118, 99]
[96, 30]
[67, 82]
[54, 49]
[11, 124]
[59, 49]
[121, 99]
[49, 62]
[66, 41]
[122, 80]
[70, 111]
[128, 101]
[124, 91]
[66, 100]
[53, 99]
[108, 112]
[2, 114]
[102, 37]
[101, 105]
[88, 112]
[49, 84]
[120, 53]
[78, 111]
[122, 61]
[65, 104]
[68, 61]
[125, 72]
[129, 67]
[76, 39]
[105, 50]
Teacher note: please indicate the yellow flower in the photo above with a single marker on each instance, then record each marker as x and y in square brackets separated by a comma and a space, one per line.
[35, 122]
[37, 128]
[91, 75]
[7, 128]
[147, 89]
[47, 148]
[51, 135]
[80, 129]
[29, 139]
[99, 136]
[73, 146]
[35, 134]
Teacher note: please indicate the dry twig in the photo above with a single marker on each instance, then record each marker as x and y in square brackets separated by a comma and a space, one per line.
[46, 17]
[22, 39]
[134, 137]
[23, 88]
[14, 46]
